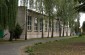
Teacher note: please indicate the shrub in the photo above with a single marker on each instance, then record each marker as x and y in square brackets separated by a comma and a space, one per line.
[38, 43]
[18, 31]
[29, 50]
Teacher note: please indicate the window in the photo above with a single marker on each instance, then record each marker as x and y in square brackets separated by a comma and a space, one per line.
[29, 23]
[36, 24]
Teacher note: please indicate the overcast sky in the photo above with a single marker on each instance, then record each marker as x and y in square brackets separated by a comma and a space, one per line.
[82, 18]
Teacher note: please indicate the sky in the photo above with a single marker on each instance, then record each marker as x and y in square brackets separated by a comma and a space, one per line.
[82, 18]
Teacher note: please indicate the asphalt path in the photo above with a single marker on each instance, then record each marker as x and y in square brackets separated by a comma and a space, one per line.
[13, 48]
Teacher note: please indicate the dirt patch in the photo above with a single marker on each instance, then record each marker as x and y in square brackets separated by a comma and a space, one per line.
[78, 44]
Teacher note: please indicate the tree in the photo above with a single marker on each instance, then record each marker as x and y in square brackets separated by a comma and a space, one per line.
[38, 6]
[17, 31]
[72, 15]
[25, 3]
[8, 12]
[49, 5]
[3, 14]
[40, 9]
[12, 14]
[65, 11]
[80, 8]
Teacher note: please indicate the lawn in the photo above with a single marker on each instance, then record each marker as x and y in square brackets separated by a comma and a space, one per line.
[73, 46]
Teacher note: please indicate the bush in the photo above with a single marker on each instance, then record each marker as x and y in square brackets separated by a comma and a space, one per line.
[18, 31]
[29, 50]
[38, 43]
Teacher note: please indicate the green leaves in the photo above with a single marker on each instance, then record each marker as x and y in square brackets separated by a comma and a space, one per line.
[3, 14]
[12, 13]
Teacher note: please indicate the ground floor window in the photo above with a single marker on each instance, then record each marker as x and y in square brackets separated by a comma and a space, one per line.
[35, 24]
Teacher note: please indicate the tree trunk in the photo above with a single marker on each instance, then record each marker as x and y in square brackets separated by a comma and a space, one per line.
[67, 31]
[26, 24]
[11, 36]
[70, 32]
[42, 17]
[25, 35]
[48, 28]
[52, 28]
[42, 28]
[59, 28]
[26, 30]
[63, 31]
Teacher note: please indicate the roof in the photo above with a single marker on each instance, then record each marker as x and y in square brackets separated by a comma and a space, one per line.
[36, 12]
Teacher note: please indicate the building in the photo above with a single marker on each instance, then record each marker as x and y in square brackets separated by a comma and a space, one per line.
[34, 24]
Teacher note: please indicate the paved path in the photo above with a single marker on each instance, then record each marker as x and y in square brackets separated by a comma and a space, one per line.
[13, 48]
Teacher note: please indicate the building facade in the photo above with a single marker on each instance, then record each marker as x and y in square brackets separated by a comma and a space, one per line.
[34, 24]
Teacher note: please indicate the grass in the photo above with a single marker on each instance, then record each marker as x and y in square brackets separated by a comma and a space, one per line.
[73, 46]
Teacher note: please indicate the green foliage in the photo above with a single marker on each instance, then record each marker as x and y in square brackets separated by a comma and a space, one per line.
[38, 43]
[8, 13]
[29, 50]
[17, 31]
[12, 15]
[3, 14]
[80, 8]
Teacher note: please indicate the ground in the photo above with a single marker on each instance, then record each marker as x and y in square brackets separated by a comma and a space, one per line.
[73, 46]
[13, 48]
